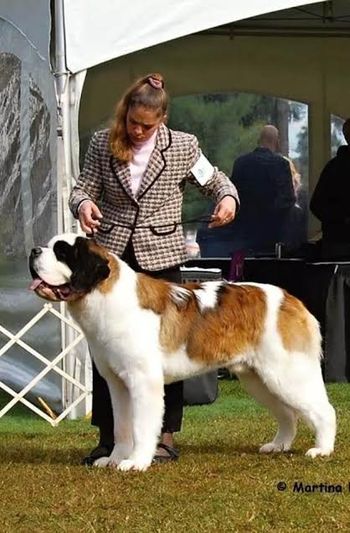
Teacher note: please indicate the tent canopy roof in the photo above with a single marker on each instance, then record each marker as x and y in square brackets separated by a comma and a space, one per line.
[320, 19]
[100, 31]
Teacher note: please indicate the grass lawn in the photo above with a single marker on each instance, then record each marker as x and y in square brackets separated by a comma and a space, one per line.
[219, 484]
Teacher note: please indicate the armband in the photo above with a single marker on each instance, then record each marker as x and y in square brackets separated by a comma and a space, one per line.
[202, 170]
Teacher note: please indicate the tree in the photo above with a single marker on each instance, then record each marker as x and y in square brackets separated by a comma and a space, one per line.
[226, 126]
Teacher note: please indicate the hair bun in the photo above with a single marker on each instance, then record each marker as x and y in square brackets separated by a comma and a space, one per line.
[155, 82]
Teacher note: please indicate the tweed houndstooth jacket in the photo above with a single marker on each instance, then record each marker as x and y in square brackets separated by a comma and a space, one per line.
[106, 181]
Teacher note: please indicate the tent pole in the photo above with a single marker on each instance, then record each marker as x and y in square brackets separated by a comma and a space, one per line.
[79, 362]
[65, 221]
[60, 83]
[62, 77]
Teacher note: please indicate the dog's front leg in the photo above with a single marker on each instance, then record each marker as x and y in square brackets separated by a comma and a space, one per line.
[121, 405]
[147, 401]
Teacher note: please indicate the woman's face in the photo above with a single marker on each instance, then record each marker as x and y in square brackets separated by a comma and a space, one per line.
[141, 123]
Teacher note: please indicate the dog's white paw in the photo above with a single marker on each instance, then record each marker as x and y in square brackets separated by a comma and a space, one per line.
[134, 464]
[113, 462]
[315, 452]
[119, 453]
[102, 462]
[273, 447]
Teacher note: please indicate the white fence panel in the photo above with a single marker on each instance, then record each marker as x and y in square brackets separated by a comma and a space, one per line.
[77, 384]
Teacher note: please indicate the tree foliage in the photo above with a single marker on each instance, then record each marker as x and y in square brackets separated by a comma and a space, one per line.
[226, 125]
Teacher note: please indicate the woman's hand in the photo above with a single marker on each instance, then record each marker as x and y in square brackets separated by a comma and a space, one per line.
[224, 212]
[89, 216]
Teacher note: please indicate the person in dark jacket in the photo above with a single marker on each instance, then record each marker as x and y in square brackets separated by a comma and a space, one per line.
[264, 181]
[330, 201]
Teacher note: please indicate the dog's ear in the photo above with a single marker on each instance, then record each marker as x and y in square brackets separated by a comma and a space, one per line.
[89, 268]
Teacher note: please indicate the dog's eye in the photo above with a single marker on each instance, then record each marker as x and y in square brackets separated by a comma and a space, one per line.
[60, 255]
[61, 249]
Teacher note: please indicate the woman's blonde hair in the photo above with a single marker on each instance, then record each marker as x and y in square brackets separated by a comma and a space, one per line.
[148, 92]
[296, 176]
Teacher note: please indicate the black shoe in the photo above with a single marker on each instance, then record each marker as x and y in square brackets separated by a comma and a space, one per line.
[172, 454]
[102, 450]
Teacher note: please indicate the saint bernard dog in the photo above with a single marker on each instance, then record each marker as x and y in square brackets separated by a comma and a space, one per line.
[144, 332]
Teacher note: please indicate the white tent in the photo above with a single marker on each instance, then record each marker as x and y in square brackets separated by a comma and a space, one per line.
[84, 48]
[97, 32]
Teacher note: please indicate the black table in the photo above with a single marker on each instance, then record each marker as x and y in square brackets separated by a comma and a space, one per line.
[324, 288]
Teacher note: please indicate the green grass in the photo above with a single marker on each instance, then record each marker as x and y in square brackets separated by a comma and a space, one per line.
[219, 484]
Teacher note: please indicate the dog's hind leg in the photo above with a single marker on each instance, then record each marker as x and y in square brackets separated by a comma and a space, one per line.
[300, 386]
[323, 420]
[311, 401]
[286, 416]
[122, 415]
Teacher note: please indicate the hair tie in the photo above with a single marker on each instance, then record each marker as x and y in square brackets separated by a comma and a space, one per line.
[155, 83]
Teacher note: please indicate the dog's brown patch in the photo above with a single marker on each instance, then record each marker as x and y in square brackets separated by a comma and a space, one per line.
[152, 293]
[97, 249]
[107, 284]
[216, 335]
[176, 320]
[294, 325]
[177, 323]
[233, 328]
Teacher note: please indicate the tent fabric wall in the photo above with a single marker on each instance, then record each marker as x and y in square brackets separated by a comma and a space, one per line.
[28, 201]
[301, 69]
[25, 16]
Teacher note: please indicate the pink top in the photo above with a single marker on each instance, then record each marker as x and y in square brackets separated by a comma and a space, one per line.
[141, 154]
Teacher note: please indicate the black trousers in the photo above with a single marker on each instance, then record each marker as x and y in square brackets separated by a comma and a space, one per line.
[102, 414]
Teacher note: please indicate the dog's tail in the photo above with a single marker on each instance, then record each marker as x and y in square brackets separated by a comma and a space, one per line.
[299, 329]
[315, 337]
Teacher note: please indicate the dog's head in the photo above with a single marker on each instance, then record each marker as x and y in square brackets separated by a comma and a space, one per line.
[68, 268]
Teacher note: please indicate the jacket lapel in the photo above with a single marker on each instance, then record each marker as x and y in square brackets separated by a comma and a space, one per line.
[122, 173]
[157, 162]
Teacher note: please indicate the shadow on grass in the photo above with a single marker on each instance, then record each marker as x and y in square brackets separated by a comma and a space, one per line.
[44, 452]
[217, 449]
[35, 454]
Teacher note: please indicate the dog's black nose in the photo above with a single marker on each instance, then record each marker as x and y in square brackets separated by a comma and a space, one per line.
[36, 251]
